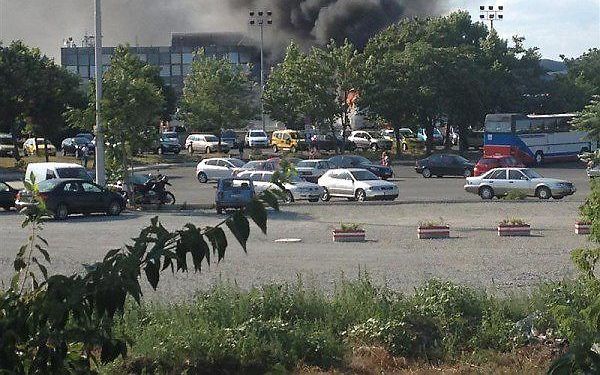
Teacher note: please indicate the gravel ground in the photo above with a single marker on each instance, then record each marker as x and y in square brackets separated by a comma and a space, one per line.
[475, 255]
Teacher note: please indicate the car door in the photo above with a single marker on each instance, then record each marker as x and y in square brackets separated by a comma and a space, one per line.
[518, 181]
[434, 163]
[94, 197]
[259, 185]
[211, 169]
[73, 196]
[223, 169]
[345, 184]
[7, 198]
[498, 181]
[455, 166]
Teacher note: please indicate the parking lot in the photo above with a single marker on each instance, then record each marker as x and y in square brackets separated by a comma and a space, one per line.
[392, 254]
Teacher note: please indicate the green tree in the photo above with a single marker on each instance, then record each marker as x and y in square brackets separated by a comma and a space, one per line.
[589, 119]
[217, 95]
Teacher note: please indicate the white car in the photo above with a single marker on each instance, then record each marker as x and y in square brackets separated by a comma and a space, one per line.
[297, 189]
[356, 184]
[206, 143]
[311, 170]
[257, 138]
[373, 140]
[216, 168]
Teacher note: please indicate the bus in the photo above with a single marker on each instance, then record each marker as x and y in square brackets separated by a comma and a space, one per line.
[534, 139]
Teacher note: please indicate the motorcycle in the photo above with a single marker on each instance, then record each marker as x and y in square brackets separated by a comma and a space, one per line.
[151, 191]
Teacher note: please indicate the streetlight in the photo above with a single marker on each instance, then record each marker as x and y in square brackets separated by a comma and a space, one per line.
[100, 171]
[261, 19]
[491, 13]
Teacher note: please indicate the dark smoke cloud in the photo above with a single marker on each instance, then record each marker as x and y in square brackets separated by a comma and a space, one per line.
[45, 23]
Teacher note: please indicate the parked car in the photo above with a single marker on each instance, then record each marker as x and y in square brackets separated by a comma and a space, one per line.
[373, 140]
[175, 137]
[70, 145]
[230, 137]
[48, 171]
[258, 165]
[501, 181]
[594, 171]
[288, 140]
[296, 189]
[30, 149]
[486, 163]
[233, 193]
[216, 168]
[167, 145]
[64, 197]
[356, 161]
[444, 165]
[7, 196]
[438, 137]
[329, 142]
[407, 138]
[311, 170]
[206, 143]
[89, 136]
[256, 139]
[356, 184]
[6, 145]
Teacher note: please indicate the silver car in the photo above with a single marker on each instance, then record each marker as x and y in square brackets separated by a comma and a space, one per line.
[501, 181]
[206, 143]
[311, 170]
[216, 168]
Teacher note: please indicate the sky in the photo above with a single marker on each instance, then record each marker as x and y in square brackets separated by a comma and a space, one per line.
[568, 27]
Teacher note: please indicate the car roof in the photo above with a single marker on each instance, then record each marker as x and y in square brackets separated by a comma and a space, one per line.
[61, 180]
[55, 165]
[347, 170]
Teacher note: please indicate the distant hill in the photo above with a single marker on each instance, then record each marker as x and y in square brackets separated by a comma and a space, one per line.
[553, 65]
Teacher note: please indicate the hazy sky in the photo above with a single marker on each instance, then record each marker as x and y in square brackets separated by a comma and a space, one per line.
[557, 27]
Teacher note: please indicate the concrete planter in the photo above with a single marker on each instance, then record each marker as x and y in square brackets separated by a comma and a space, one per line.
[438, 231]
[348, 235]
[582, 227]
[505, 230]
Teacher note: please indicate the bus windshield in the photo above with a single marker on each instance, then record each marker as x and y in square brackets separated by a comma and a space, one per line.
[497, 127]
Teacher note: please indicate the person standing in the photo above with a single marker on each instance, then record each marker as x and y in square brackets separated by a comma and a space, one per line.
[84, 155]
[241, 149]
[385, 159]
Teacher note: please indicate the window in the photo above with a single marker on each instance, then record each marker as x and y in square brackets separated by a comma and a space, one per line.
[165, 70]
[153, 59]
[514, 174]
[538, 126]
[73, 173]
[500, 174]
[186, 70]
[165, 58]
[211, 162]
[176, 58]
[223, 163]
[256, 176]
[89, 188]
[522, 126]
[72, 69]
[50, 174]
[3, 187]
[344, 176]
[435, 158]
[187, 58]
[72, 187]
[143, 57]
[176, 69]
[84, 72]
[497, 127]
[266, 177]
[106, 59]
[84, 59]
[234, 57]
[70, 59]
[563, 125]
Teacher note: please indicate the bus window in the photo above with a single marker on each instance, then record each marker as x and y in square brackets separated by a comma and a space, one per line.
[550, 125]
[522, 126]
[563, 125]
[497, 127]
[537, 126]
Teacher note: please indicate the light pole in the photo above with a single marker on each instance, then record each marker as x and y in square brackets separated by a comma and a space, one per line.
[100, 171]
[261, 18]
[491, 13]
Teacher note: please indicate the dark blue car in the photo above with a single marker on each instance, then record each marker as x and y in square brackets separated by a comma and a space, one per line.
[233, 193]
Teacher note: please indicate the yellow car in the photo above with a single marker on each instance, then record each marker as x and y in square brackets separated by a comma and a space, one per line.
[288, 140]
[29, 147]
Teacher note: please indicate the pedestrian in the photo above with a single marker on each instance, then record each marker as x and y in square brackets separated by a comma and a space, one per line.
[84, 155]
[241, 149]
[77, 152]
[385, 159]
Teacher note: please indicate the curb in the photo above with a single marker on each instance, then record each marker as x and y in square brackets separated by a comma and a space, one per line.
[163, 166]
[175, 207]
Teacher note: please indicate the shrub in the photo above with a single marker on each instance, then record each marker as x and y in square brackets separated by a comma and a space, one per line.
[516, 195]
[513, 221]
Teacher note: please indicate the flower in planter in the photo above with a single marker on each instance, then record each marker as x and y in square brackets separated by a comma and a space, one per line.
[351, 227]
[432, 223]
[514, 222]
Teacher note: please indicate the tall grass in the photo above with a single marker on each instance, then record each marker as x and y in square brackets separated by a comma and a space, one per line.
[276, 327]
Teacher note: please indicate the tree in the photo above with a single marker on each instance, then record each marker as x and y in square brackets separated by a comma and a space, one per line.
[589, 119]
[217, 95]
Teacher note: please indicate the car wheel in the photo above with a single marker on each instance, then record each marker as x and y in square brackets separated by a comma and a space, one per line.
[219, 210]
[539, 157]
[313, 200]
[486, 192]
[169, 198]
[6, 208]
[325, 197]
[190, 149]
[467, 172]
[360, 195]
[62, 212]
[559, 197]
[207, 150]
[275, 149]
[289, 197]
[114, 209]
[543, 192]
[202, 177]
[426, 172]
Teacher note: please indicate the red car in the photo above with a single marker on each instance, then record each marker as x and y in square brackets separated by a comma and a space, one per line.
[486, 164]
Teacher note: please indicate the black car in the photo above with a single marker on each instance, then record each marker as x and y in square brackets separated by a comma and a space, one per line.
[230, 137]
[444, 165]
[7, 196]
[327, 142]
[70, 145]
[356, 161]
[89, 136]
[168, 145]
[65, 196]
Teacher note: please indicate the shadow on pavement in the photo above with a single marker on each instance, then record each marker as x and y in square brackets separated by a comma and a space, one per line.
[97, 218]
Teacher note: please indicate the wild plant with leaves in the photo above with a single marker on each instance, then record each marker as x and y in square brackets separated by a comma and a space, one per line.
[59, 323]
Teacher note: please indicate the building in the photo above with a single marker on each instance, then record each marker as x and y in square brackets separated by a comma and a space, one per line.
[174, 61]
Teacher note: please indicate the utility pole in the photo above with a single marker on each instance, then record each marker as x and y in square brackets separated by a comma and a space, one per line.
[100, 170]
[261, 19]
[491, 13]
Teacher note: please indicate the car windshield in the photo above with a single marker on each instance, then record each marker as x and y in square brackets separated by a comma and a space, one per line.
[81, 141]
[360, 160]
[47, 185]
[73, 173]
[236, 162]
[5, 141]
[253, 165]
[364, 176]
[294, 135]
[257, 134]
[211, 138]
[170, 135]
[307, 164]
[531, 173]
[374, 134]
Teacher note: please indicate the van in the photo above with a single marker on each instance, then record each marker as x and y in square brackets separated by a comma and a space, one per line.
[288, 140]
[48, 171]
